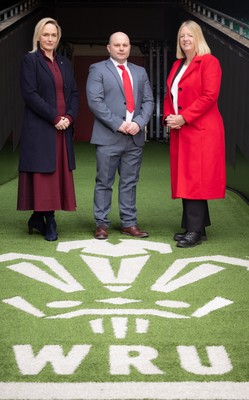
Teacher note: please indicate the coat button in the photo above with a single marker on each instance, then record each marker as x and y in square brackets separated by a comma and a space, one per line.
[180, 89]
[179, 107]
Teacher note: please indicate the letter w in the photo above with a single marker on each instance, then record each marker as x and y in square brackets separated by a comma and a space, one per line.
[30, 364]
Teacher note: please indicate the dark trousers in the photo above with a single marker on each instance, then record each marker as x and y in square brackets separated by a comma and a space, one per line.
[195, 215]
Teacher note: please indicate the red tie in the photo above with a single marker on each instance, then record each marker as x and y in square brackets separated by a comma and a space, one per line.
[127, 89]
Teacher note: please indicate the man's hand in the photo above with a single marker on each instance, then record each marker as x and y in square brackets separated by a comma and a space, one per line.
[129, 128]
[133, 128]
[123, 127]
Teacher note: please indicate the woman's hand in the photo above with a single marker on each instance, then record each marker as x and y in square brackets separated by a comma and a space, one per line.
[62, 124]
[175, 121]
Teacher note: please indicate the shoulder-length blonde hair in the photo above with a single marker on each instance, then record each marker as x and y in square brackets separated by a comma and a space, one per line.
[39, 28]
[201, 46]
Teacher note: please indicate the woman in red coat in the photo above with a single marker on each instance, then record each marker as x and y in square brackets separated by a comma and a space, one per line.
[197, 144]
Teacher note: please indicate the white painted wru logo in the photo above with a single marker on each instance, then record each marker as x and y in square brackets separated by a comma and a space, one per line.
[134, 256]
[129, 270]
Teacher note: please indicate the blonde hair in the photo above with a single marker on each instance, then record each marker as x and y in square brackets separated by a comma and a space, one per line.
[201, 46]
[39, 28]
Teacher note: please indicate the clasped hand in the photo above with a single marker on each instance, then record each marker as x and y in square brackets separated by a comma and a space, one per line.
[62, 124]
[129, 128]
[175, 121]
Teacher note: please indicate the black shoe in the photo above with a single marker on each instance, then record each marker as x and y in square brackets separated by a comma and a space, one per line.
[180, 235]
[191, 239]
[36, 221]
[51, 233]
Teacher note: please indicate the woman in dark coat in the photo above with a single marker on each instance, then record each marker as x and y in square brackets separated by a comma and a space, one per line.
[46, 146]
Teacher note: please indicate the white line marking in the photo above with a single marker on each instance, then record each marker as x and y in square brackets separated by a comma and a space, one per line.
[24, 305]
[213, 305]
[157, 313]
[125, 390]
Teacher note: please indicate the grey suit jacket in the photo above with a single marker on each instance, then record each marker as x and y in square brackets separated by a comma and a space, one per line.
[106, 100]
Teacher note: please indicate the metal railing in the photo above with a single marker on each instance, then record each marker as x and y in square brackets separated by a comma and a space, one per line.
[17, 9]
[233, 24]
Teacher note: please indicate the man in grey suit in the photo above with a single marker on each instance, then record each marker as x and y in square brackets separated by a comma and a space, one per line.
[118, 134]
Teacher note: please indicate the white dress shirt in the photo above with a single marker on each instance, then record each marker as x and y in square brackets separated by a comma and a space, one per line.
[129, 115]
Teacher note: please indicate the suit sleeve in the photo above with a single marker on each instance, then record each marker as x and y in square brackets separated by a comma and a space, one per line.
[147, 104]
[96, 99]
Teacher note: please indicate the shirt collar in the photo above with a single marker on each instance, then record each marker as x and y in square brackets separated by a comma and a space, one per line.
[44, 55]
[116, 63]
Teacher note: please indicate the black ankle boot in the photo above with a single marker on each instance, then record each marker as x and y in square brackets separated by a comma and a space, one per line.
[51, 233]
[191, 239]
[181, 235]
[36, 221]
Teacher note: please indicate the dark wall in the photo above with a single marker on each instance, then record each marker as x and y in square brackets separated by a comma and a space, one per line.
[234, 95]
[7, 3]
[141, 22]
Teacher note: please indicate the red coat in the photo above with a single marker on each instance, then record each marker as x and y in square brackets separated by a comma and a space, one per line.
[197, 150]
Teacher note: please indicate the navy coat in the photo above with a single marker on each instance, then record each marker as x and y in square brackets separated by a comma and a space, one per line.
[38, 135]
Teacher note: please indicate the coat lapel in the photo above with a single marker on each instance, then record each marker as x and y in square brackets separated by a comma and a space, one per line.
[113, 69]
[173, 72]
[192, 66]
[196, 60]
[61, 65]
[44, 64]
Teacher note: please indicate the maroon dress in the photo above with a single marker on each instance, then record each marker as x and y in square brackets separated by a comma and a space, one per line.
[50, 191]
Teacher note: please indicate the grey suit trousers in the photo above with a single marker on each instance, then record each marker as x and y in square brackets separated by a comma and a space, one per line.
[124, 157]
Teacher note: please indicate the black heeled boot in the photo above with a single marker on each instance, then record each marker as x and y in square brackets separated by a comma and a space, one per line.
[36, 221]
[51, 233]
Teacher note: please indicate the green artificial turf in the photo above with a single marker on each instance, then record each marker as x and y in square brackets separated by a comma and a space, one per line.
[160, 328]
